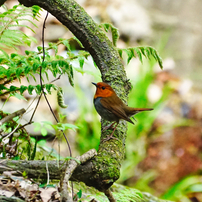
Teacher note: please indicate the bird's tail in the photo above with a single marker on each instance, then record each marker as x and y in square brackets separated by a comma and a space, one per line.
[132, 111]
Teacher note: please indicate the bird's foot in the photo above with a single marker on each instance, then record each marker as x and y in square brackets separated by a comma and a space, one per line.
[108, 126]
[108, 138]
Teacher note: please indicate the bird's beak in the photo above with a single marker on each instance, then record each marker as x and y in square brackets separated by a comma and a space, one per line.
[94, 84]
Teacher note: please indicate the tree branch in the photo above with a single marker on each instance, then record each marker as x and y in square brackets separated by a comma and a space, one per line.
[11, 116]
[37, 169]
[2, 2]
[69, 169]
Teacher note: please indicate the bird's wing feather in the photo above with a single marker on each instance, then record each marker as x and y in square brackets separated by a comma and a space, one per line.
[116, 107]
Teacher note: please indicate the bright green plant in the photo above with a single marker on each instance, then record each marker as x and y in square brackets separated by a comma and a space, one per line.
[10, 37]
[185, 187]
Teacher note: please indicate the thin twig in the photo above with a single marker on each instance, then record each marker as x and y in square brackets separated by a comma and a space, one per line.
[30, 121]
[71, 166]
[11, 116]
[16, 128]
[47, 173]
[41, 83]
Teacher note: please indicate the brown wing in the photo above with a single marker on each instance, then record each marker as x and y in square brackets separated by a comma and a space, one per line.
[116, 106]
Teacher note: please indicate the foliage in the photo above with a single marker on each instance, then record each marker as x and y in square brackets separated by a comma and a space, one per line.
[10, 36]
[10, 143]
[184, 188]
[132, 52]
[114, 31]
[15, 67]
[145, 51]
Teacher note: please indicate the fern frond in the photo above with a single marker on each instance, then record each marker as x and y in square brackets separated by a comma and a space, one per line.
[30, 88]
[115, 33]
[10, 37]
[140, 51]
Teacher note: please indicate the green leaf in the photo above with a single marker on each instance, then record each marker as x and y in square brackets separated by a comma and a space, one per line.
[79, 193]
[24, 174]
[114, 31]
[23, 89]
[65, 126]
[65, 42]
[3, 71]
[5, 54]
[70, 79]
[44, 132]
[139, 54]
[38, 89]
[27, 52]
[30, 89]
[14, 55]
[53, 46]
[71, 71]
[20, 97]
[48, 87]
[19, 72]
[27, 70]
[81, 61]
[35, 11]
[44, 65]
[35, 67]
[146, 51]
[115, 35]
[129, 53]
[39, 48]
[37, 126]
[9, 73]
[80, 44]
[120, 51]
[13, 88]
[54, 64]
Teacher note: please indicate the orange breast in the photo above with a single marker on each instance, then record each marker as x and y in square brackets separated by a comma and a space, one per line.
[103, 93]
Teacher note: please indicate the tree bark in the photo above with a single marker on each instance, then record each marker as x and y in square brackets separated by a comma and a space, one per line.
[37, 169]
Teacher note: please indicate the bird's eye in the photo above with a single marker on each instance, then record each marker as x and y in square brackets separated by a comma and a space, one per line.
[103, 87]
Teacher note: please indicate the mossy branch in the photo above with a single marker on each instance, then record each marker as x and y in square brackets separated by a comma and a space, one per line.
[37, 169]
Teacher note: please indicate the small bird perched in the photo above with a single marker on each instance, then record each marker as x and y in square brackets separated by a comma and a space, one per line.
[111, 108]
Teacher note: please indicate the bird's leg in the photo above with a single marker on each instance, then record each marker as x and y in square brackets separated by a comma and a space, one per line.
[111, 136]
[108, 126]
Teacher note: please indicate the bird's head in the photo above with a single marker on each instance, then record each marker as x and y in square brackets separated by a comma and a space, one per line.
[103, 90]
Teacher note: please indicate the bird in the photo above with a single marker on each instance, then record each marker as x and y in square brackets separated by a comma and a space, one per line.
[111, 108]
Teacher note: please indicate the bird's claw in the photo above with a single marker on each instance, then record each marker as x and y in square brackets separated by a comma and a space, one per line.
[108, 138]
[108, 126]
